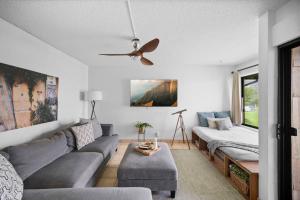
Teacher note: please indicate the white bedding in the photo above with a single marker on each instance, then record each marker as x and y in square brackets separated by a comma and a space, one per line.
[235, 134]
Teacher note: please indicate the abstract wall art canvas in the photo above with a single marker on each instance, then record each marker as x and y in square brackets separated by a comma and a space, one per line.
[152, 93]
[26, 98]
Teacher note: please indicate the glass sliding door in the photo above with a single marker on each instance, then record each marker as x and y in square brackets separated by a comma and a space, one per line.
[289, 121]
[295, 116]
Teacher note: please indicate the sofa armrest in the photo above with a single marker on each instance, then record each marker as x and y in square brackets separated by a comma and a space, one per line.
[88, 194]
[107, 129]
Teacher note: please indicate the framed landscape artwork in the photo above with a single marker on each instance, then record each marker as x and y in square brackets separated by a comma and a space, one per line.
[152, 93]
[26, 98]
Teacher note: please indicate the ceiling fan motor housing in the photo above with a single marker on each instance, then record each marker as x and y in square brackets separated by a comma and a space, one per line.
[135, 43]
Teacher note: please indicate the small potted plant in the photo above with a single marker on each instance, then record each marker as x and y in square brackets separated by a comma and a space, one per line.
[141, 126]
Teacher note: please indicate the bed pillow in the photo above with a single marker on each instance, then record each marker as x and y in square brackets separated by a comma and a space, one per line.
[222, 114]
[224, 124]
[202, 116]
[212, 122]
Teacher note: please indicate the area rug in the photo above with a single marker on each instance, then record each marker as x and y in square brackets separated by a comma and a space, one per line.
[199, 179]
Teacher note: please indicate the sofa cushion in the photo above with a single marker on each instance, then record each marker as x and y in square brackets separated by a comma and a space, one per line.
[72, 170]
[11, 185]
[202, 117]
[30, 157]
[97, 129]
[89, 194]
[105, 145]
[71, 140]
[84, 135]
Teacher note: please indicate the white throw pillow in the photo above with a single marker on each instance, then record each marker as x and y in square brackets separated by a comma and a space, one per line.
[224, 124]
[11, 185]
[84, 134]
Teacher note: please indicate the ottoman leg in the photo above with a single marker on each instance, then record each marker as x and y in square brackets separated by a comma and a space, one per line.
[173, 192]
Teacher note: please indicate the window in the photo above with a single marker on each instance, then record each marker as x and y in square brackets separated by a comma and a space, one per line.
[250, 100]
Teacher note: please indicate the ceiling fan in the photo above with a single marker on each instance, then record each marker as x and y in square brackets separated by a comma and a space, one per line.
[137, 52]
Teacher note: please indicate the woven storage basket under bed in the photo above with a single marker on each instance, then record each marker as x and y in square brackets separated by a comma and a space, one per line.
[239, 183]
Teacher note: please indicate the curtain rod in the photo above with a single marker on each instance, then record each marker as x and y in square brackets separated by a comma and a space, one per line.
[246, 68]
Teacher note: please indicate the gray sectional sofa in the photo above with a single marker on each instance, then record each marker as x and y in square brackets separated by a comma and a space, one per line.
[53, 169]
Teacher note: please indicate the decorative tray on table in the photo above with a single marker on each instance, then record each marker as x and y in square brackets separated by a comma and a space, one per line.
[146, 148]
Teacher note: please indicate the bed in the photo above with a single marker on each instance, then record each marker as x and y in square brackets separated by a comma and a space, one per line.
[235, 134]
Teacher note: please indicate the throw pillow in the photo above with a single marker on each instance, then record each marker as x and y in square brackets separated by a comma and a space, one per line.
[97, 129]
[83, 134]
[224, 124]
[212, 122]
[10, 182]
[202, 116]
[4, 154]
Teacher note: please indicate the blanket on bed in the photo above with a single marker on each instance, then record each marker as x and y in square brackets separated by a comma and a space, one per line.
[215, 144]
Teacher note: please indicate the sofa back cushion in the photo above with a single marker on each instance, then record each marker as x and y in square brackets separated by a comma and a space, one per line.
[71, 140]
[30, 157]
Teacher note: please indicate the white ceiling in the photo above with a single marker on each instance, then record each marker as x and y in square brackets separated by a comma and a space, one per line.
[203, 32]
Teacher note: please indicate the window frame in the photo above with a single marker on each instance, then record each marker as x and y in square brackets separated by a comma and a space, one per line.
[242, 97]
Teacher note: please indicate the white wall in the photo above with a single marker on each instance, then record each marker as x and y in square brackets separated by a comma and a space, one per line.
[199, 89]
[275, 28]
[248, 63]
[21, 49]
[267, 114]
[287, 24]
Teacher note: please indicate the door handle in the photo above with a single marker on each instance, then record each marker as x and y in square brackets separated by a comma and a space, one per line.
[293, 131]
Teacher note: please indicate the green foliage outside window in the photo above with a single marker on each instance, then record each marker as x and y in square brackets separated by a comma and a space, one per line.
[250, 100]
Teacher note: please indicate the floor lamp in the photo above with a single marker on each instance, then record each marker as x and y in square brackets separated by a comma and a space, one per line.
[94, 96]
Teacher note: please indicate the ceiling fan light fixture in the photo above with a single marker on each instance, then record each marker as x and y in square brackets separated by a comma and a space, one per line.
[134, 58]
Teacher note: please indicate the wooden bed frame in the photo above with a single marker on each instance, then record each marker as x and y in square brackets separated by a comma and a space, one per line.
[222, 164]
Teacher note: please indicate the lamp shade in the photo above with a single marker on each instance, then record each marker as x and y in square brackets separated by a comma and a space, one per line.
[95, 96]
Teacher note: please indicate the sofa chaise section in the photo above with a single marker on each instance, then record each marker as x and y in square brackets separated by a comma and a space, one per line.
[88, 194]
[72, 170]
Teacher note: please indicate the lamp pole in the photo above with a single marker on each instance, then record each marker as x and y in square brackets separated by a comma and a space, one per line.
[93, 115]
[94, 96]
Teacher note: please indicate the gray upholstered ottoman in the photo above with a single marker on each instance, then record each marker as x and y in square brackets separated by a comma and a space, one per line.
[157, 172]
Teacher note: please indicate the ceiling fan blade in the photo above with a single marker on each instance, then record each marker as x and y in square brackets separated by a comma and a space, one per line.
[150, 46]
[145, 61]
[115, 54]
